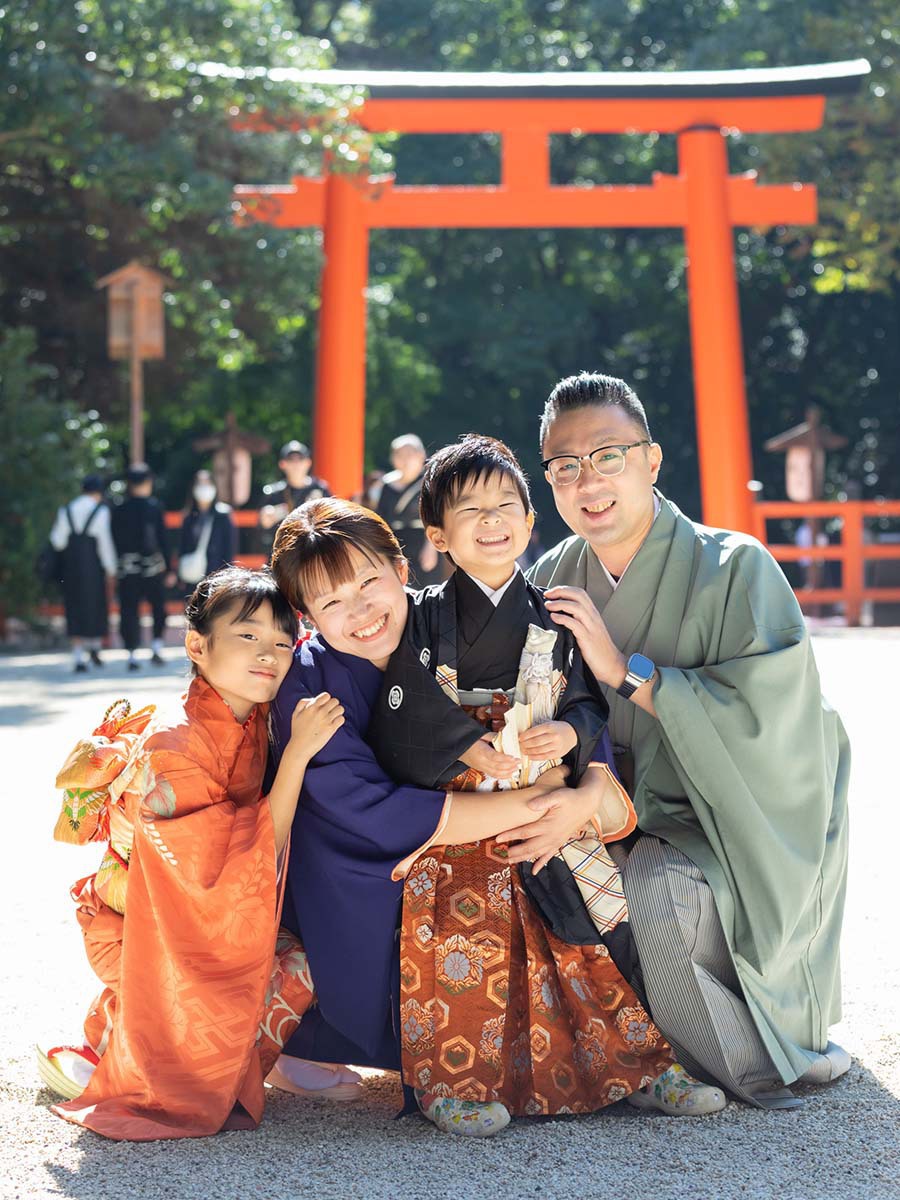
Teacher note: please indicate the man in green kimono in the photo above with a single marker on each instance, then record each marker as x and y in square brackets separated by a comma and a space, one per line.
[736, 876]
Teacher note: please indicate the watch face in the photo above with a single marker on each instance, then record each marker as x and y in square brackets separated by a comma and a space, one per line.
[640, 666]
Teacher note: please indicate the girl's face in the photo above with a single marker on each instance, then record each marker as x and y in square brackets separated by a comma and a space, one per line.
[245, 661]
[366, 615]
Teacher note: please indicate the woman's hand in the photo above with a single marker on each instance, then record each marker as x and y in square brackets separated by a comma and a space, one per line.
[483, 757]
[573, 608]
[313, 722]
[567, 812]
[551, 739]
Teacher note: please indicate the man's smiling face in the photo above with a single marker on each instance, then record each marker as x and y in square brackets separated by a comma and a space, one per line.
[613, 513]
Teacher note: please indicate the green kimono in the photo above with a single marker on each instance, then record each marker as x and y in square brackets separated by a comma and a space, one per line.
[746, 769]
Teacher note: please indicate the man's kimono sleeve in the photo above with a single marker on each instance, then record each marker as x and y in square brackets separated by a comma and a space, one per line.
[763, 761]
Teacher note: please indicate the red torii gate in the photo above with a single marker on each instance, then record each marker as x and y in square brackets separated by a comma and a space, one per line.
[700, 107]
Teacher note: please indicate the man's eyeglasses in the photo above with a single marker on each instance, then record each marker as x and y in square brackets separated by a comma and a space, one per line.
[606, 460]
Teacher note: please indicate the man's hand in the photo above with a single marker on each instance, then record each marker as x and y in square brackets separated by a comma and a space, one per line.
[483, 757]
[569, 811]
[552, 739]
[573, 608]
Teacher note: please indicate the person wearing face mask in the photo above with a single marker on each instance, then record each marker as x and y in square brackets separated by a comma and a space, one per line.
[208, 534]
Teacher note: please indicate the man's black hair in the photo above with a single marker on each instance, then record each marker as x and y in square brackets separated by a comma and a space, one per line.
[588, 389]
[450, 470]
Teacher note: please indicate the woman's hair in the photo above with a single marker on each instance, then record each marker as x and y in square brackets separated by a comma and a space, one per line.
[314, 542]
[450, 470]
[237, 592]
[591, 389]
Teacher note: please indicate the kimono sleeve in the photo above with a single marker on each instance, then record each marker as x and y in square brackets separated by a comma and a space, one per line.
[417, 731]
[762, 759]
[212, 848]
[349, 807]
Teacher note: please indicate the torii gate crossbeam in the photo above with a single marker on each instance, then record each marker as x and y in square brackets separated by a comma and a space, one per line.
[702, 199]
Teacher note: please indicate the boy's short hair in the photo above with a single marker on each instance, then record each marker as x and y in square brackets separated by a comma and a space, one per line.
[473, 458]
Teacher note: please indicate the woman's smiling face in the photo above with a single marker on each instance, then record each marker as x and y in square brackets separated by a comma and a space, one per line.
[366, 614]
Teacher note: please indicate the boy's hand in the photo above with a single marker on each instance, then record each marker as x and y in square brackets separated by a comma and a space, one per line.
[552, 739]
[313, 722]
[483, 757]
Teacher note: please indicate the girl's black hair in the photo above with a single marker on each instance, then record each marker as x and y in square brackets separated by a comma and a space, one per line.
[450, 470]
[238, 592]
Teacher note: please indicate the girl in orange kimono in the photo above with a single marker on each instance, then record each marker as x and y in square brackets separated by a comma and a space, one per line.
[181, 921]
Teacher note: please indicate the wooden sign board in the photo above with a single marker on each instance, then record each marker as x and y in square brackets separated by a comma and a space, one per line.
[135, 304]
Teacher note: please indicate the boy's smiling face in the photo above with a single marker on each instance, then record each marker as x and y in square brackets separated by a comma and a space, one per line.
[484, 528]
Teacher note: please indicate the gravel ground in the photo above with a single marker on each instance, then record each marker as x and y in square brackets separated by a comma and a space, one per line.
[842, 1143]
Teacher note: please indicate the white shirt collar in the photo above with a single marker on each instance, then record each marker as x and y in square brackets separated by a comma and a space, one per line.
[495, 595]
[613, 582]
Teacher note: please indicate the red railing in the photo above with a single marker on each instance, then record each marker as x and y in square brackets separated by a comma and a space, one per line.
[853, 551]
[244, 518]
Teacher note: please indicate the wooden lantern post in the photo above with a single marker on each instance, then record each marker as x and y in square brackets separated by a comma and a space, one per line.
[804, 448]
[136, 331]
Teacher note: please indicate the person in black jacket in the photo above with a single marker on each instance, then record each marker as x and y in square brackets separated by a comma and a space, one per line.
[208, 535]
[145, 569]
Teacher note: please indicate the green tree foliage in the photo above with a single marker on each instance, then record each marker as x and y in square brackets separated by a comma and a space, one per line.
[46, 447]
[117, 143]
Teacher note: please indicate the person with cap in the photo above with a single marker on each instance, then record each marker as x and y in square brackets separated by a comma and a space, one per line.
[82, 537]
[398, 504]
[297, 486]
[145, 567]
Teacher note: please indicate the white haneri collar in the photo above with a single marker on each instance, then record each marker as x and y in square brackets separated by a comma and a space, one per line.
[495, 595]
[613, 582]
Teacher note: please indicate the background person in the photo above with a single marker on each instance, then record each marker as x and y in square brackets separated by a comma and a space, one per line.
[297, 486]
[142, 546]
[208, 539]
[398, 503]
[82, 535]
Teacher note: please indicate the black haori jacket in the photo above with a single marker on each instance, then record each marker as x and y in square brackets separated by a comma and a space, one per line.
[456, 640]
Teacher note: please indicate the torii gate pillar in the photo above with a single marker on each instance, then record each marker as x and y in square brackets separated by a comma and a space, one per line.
[720, 400]
[340, 406]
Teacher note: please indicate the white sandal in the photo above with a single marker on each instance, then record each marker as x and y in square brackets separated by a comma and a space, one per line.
[679, 1095]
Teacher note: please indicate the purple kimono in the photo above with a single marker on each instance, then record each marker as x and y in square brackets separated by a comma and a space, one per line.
[353, 826]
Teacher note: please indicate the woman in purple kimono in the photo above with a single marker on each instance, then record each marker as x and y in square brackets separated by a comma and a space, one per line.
[357, 833]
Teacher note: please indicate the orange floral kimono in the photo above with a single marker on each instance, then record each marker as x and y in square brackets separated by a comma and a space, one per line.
[180, 922]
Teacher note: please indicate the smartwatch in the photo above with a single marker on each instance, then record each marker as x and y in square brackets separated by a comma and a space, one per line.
[638, 670]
